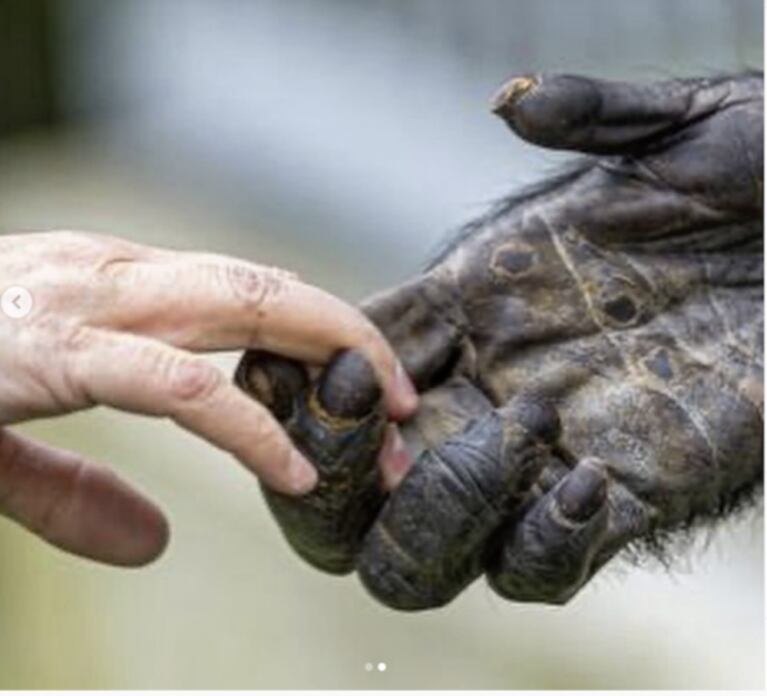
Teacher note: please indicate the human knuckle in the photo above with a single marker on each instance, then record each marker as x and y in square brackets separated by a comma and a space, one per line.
[86, 260]
[114, 268]
[77, 246]
[67, 377]
[193, 379]
[73, 337]
[52, 343]
[47, 357]
[255, 286]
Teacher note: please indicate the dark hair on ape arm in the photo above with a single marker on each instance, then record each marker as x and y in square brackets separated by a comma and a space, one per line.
[666, 544]
[565, 174]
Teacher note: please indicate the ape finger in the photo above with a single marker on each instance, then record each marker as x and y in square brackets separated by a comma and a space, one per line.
[443, 412]
[339, 425]
[273, 380]
[428, 542]
[424, 324]
[547, 554]
[601, 117]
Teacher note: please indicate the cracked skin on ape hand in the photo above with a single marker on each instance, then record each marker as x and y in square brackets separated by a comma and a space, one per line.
[589, 356]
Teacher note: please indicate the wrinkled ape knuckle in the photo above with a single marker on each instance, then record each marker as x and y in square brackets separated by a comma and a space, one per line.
[194, 380]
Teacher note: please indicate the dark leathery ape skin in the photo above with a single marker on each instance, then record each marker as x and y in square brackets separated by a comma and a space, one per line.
[430, 539]
[626, 295]
[339, 425]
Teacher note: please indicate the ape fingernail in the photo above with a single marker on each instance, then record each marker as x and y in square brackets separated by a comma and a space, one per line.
[348, 388]
[511, 92]
[538, 416]
[582, 493]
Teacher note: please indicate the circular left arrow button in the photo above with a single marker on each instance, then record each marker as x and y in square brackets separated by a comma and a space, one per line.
[16, 302]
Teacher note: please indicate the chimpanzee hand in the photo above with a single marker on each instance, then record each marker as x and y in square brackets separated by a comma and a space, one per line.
[590, 358]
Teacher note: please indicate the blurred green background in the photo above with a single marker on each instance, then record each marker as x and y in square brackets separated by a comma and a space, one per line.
[342, 140]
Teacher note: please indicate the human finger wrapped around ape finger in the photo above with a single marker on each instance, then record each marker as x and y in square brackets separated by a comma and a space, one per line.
[589, 357]
[421, 545]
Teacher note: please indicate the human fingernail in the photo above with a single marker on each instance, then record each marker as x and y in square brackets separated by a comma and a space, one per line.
[395, 459]
[301, 474]
[407, 393]
[400, 456]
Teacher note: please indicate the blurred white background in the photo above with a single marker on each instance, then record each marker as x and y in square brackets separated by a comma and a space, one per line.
[343, 140]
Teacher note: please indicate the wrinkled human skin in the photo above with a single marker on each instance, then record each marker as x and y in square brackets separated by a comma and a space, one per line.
[589, 356]
[110, 322]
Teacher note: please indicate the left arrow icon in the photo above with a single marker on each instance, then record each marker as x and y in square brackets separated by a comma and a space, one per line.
[16, 302]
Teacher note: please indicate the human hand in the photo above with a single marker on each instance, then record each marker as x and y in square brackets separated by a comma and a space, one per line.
[590, 355]
[118, 324]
